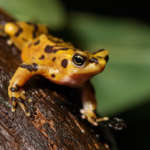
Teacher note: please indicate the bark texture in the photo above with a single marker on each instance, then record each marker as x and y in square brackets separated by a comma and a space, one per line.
[55, 123]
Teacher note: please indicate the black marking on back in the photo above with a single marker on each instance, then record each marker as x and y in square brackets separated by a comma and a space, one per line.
[65, 48]
[37, 42]
[32, 67]
[64, 63]
[20, 30]
[62, 48]
[48, 49]
[42, 57]
[35, 30]
[55, 40]
[54, 58]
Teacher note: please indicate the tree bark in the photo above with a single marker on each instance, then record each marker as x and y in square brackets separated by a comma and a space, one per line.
[55, 123]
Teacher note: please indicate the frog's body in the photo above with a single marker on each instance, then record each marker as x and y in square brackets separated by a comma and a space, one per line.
[58, 61]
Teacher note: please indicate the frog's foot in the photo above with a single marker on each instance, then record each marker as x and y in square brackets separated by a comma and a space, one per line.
[91, 117]
[18, 98]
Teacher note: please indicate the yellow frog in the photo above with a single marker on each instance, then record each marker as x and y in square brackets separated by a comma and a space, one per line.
[56, 60]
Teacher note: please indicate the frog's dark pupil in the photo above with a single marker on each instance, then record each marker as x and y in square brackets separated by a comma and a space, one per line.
[78, 59]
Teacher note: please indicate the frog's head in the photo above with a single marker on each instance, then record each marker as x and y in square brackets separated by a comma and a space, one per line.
[79, 66]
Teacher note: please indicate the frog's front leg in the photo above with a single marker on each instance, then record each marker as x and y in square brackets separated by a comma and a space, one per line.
[15, 91]
[89, 105]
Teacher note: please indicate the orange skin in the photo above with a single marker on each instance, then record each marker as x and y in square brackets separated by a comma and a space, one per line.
[56, 60]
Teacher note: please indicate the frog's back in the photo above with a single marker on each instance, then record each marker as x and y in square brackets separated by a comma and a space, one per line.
[43, 48]
[33, 41]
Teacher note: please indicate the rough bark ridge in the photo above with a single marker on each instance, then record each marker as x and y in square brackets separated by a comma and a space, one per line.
[53, 124]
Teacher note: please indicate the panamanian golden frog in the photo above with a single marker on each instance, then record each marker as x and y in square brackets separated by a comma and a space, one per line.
[56, 60]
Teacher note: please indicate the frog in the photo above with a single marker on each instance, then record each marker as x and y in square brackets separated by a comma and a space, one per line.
[56, 60]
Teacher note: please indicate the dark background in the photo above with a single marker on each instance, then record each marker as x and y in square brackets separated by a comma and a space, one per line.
[136, 135]
[139, 10]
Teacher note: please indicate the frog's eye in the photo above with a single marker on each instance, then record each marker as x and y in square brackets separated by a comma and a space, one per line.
[78, 59]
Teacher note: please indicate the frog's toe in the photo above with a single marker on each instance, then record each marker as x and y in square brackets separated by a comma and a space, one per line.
[102, 119]
[13, 109]
[19, 101]
[23, 107]
[90, 116]
[13, 104]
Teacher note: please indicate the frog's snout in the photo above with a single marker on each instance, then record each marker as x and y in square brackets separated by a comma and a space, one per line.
[102, 54]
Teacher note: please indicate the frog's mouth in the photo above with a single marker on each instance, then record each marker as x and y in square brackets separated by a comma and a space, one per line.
[75, 80]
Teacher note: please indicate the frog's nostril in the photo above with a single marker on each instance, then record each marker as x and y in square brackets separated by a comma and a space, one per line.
[93, 60]
[106, 58]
